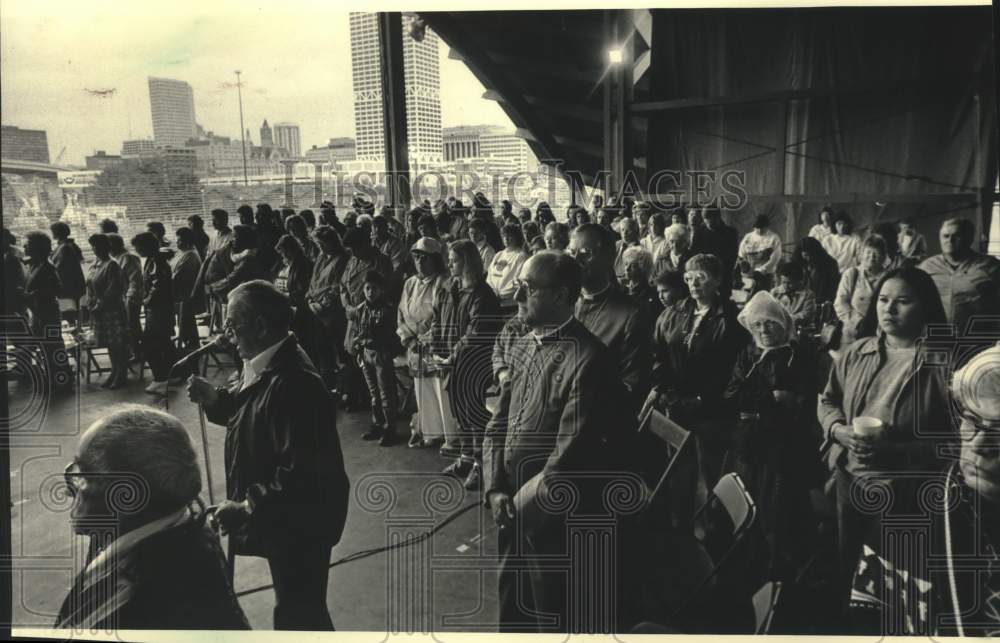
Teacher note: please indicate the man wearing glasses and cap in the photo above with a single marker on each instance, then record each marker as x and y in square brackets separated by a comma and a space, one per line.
[945, 579]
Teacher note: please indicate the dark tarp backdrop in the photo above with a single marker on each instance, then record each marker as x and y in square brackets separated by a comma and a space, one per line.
[895, 103]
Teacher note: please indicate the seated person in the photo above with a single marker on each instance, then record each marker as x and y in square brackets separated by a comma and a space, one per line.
[949, 586]
[793, 294]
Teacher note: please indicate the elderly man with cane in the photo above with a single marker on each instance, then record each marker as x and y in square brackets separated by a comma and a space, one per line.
[285, 481]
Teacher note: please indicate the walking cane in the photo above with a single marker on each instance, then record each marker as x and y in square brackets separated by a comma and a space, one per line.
[208, 461]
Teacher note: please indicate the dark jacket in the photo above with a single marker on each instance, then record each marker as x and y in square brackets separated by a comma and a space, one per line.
[702, 366]
[186, 269]
[823, 280]
[560, 415]
[173, 580]
[297, 281]
[624, 327]
[723, 242]
[283, 454]
[67, 258]
[247, 268]
[40, 287]
[157, 284]
[466, 325]
[13, 289]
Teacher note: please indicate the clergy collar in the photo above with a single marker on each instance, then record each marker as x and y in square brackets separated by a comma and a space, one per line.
[597, 295]
[551, 332]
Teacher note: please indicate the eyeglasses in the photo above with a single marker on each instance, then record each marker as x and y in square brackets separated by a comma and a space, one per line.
[529, 289]
[972, 425]
[229, 328]
[70, 473]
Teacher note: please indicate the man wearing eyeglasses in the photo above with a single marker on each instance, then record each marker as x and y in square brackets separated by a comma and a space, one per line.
[135, 482]
[285, 482]
[606, 310]
[557, 425]
[933, 567]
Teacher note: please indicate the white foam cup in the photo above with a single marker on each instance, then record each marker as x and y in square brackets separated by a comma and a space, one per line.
[868, 426]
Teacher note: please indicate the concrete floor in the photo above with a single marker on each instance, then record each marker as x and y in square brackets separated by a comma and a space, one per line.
[445, 583]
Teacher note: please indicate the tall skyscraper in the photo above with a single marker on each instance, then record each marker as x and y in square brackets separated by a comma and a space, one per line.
[266, 140]
[172, 105]
[286, 135]
[423, 92]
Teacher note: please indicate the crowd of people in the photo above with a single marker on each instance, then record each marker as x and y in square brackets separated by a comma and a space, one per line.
[536, 347]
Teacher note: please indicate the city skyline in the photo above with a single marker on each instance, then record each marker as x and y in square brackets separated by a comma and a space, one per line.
[50, 80]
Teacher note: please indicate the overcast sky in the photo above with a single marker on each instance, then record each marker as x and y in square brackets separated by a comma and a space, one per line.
[295, 56]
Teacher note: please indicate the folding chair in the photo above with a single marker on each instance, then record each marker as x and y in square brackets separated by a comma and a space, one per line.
[720, 526]
[765, 601]
[666, 452]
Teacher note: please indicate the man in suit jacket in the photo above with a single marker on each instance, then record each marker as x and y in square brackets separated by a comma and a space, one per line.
[285, 481]
[556, 425]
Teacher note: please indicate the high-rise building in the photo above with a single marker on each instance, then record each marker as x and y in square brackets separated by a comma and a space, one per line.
[423, 92]
[503, 144]
[137, 147]
[286, 136]
[464, 141]
[172, 106]
[24, 144]
[266, 140]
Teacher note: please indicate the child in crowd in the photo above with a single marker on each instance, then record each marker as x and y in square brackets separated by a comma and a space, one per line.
[374, 336]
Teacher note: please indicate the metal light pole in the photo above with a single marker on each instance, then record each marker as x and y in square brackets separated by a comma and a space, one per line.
[243, 134]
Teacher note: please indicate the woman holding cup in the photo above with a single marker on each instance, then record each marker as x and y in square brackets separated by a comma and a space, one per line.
[884, 408]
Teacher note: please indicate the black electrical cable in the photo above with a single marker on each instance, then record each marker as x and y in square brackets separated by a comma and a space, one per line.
[365, 553]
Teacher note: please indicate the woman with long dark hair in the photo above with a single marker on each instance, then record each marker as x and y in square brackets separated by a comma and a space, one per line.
[884, 409]
[294, 277]
[843, 245]
[465, 327]
[106, 299]
[822, 271]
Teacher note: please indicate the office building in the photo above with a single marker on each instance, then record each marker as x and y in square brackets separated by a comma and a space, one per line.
[172, 106]
[137, 147]
[286, 136]
[463, 142]
[24, 144]
[503, 144]
[423, 98]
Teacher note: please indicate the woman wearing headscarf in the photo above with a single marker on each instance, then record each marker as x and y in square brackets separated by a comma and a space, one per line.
[770, 397]
[421, 293]
[106, 299]
[887, 375]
